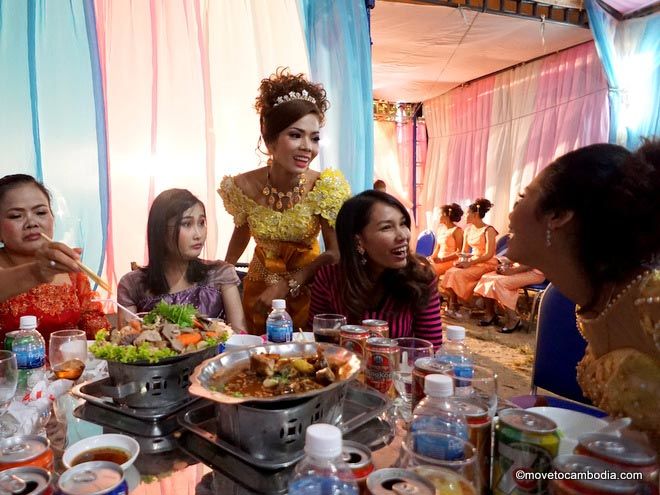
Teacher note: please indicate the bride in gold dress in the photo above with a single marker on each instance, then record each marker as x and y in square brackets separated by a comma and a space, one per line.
[590, 221]
[285, 204]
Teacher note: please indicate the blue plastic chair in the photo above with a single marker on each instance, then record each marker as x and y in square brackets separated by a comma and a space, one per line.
[425, 243]
[502, 245]
[559, 348]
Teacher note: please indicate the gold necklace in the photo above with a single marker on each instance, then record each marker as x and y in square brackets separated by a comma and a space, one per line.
[275, 197]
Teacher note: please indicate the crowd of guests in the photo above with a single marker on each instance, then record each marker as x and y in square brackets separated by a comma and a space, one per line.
[561, 229]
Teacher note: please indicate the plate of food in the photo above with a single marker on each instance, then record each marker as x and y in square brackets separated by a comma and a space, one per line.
[273, 372]
[166, 334]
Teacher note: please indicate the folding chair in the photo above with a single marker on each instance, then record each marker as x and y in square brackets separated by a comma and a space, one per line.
[559, 348]
[425, 243]
[536, 293]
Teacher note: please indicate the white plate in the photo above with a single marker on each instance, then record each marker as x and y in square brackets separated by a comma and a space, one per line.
[111, 440]
[571, 425]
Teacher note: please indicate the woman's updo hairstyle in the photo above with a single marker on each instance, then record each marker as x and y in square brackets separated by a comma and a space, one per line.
[480, 206]
[12, 181]
[607, 187]
[453, 211]
[274, 117]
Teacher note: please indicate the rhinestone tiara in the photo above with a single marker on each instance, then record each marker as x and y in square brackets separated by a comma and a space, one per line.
[294, 95]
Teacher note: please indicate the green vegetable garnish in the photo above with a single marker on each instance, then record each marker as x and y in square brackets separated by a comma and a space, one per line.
[179, 314]
[129, 353]
[237, 394]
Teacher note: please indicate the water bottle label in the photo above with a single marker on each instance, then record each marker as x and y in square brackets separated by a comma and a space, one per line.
[329, 485]
[439, 447]
[27, 358]
[279, 332]
[461, 366]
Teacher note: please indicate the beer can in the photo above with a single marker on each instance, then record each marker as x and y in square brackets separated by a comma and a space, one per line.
[624, 453]
[479, 433]
[358, 457]
[445, 481]
[381, 356]
[9, 340]
[353, 338]
[26, 450]
[398, 482]
[93, 478]
[377, 328]
[424, 366]
[603, 479]
[523, 441]
[26, 480]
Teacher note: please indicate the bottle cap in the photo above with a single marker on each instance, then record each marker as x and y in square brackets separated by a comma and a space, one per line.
[279, 304]
[323, 440]
[438, 386]
[28, 322]
[454, 332]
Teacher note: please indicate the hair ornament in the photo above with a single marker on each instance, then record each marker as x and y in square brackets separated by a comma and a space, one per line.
[294, 95]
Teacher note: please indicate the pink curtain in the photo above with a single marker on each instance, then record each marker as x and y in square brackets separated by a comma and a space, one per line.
[492, 137]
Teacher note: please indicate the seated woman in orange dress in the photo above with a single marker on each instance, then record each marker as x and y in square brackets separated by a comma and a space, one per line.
[501, 286]
[479, 248]
[38, 277]
[449, 239]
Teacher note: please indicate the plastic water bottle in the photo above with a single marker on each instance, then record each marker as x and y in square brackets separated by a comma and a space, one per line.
[279, 325]
[438, 413]
[323, 471]
[30, 349]
[454, 351]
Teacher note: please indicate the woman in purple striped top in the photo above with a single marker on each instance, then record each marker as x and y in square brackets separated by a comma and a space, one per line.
[378, 276]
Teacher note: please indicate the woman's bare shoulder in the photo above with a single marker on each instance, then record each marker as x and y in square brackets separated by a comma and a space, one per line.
[252, 181]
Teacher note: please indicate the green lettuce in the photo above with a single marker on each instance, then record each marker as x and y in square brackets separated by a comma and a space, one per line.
[179, 314]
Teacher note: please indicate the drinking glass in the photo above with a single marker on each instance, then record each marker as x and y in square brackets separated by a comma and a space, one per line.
[475, 384]
[410, 350]
[326, 327]
[8, 383]
[449, 452]
[67, 353]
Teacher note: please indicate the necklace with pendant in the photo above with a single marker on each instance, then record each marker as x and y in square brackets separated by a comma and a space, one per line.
[275, 197]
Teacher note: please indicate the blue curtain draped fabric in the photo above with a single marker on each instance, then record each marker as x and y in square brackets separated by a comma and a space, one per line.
[630, 53]
[339, 51]
[52, 119]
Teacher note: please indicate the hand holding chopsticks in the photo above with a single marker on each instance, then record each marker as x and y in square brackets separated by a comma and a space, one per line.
[88, 271]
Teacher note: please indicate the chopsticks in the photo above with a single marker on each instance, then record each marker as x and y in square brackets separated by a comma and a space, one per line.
[90, 273]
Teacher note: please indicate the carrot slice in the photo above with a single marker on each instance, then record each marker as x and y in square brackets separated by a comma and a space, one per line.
[189, 338]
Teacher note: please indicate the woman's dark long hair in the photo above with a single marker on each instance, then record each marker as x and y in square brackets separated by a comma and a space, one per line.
[407, 286]
[606, 187]
[168, 205]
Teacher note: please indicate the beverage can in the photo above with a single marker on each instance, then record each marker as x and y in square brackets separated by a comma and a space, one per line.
[624, 453]
[523, 441]
[479, 432]
[93, 478]
[26, 480]
[381, 356]
[358, 457]
[398, 481]
[9, 340]
[424, 366]
[604, 479]
[353, 338]
[377, 328]
[445, 481]
[26, 450]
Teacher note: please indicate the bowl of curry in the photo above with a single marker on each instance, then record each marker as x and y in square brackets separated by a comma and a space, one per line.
[274, 372]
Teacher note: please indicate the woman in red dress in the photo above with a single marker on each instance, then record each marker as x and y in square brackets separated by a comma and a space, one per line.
[38, 277]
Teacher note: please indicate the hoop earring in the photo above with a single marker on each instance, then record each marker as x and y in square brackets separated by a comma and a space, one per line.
[548, 237]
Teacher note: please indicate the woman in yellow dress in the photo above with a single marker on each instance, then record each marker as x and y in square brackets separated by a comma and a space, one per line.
[564, 225]
[284, 205]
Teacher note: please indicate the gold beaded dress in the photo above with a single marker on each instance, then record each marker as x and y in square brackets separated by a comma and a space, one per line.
[286, 240]
[620, 371]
